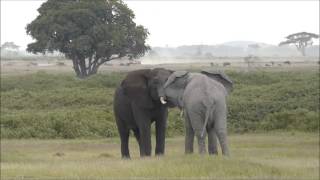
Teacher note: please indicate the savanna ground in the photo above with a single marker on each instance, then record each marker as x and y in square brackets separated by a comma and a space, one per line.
[55, 126]
[253, 156]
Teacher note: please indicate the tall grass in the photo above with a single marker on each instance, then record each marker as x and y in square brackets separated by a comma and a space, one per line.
[43, 105]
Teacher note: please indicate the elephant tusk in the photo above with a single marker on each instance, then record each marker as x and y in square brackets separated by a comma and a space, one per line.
[162, 100]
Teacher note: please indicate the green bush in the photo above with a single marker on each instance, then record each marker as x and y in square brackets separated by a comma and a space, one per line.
[259, 94]
[82, 122]
[299, 119]
[45, 105]
[175, 124]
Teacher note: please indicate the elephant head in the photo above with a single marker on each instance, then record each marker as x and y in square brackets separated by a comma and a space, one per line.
[145, 87]
[175, 93]
[180, 80]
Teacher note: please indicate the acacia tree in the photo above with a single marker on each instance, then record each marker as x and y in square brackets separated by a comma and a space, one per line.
[254, 48]
[89, 32]
[10, 45]
[301, 40]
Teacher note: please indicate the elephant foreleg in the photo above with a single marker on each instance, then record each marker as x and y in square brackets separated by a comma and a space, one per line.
[160, 136]
[145, 139]
[124, 136]
[144, 125]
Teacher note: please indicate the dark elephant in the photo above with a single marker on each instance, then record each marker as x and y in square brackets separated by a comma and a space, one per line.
[137, 104]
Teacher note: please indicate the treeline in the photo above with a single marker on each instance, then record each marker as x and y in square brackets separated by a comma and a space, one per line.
[8, 55]
[235, 49]
[44, 105]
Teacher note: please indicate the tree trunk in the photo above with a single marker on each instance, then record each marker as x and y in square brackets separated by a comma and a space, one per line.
[79, 67]
[76, 67]
[303, 51]
[83, 69]
[93, 70]
[301, 47]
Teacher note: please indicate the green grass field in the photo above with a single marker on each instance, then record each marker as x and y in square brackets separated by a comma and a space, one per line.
[253, 156]
[55, 126]
[47, 106]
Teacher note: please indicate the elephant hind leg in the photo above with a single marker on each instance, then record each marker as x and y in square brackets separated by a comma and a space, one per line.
[195, 124]
[201, 143]
[220, 127]
[189, 137]
[212, 142]
[222, 136]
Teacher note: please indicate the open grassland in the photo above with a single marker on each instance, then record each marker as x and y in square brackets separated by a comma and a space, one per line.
[55, 126]
[253, 156]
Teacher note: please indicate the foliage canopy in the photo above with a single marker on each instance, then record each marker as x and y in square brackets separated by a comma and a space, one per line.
[89, 32]
[9, 45]
[300, 40]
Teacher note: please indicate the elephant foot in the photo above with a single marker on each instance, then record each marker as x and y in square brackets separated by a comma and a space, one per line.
[159, 154]
[159, 151]
[144, 156]
[126, 157]
[202, 152]
[213, 153]
[188, 150]
[226, 154]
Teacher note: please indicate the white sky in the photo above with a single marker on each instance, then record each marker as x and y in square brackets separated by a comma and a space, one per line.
[190, 22]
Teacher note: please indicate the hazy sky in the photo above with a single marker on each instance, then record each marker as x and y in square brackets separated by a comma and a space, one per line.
[191, 22]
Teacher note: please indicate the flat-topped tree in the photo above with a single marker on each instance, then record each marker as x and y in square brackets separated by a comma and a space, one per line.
[89, 32]
[10, 45]
[301, 40]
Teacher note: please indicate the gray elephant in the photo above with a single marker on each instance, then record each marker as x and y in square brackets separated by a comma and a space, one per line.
[202, 97]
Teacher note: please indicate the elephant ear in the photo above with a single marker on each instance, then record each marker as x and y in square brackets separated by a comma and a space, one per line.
[173, 77]
[135, 86]
[220, 77]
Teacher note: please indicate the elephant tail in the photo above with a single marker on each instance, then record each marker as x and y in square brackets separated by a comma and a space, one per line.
[208, 113]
